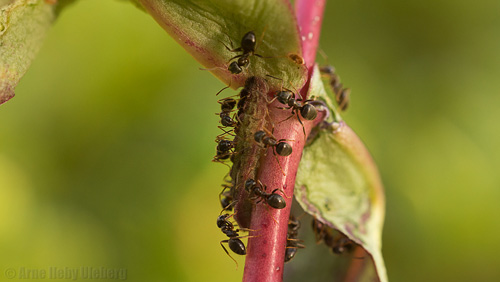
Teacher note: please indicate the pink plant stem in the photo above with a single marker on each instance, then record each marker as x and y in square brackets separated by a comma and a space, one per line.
[266, 250]
[309, 17]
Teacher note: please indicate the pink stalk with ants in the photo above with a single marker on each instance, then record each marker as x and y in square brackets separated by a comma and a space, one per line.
[266, 249]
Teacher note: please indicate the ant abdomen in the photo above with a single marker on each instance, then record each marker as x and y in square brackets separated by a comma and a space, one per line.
[227, 104]
[248, 42]
[283, 149]
[237, 246]
[276, 201]
[308, 112]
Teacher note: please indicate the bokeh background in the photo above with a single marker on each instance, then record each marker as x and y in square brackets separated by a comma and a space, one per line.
[105, 150]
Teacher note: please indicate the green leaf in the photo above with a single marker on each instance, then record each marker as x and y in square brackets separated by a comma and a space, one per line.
[23, 24]
[338, 183]
[204, 27]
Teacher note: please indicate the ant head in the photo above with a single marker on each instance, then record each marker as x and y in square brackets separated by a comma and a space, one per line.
[224, 145]
[234, 68]
[283, 149]
[226, 201]
[249, 184]
[293, 224]
[328, 70]
[290, 254]
[343, 245]
[259, 135]
[309, 112]
[226, 121]
[248, 42]
[284, 97]
[276, 201]
[222, 220]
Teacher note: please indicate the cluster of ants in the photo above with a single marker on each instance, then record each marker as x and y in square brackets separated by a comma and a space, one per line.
[231, 115]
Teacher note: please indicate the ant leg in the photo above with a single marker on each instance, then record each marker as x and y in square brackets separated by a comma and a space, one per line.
[261, 37]
[231, 43]
[228, 206]
[281, 192]
[323, 54]
[223, 89]
[269, 116]
[269, 213]
[225, 132]
[215, 160]
[296, 246]
[224, 189]
[256, 197]
[282, 81]
[291, 116]
[286, 140]
[227, 180]
[225, 250]
[246, 236]
[296, 240]
[237, 56]
[303, 128]
[284, 108]
[272, 100]
[211, 69]
[264, 57]
[282, 171]
[248, 230]
[274, 77]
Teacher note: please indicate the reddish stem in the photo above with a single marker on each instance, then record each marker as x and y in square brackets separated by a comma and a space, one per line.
[309, 17]
[265, 254]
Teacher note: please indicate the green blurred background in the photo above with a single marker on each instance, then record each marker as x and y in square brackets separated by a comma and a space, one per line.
[106, 148]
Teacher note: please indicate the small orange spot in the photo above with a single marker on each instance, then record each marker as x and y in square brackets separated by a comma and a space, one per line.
[51, 2]
[296, 58]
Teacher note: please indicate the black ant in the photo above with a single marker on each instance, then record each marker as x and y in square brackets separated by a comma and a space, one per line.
[248, 43]
[341, 94]
[342, 245]
[272, 199]
[225, 145]
[227, 106]
[339, 244]
[223, 150]
[234, 242]
[306, 110]
[226, 198]
[282, 148]
[292, 243]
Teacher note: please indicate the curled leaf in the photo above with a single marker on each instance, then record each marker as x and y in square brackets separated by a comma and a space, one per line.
[339, 184]
[206, 28]
[23, 24]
